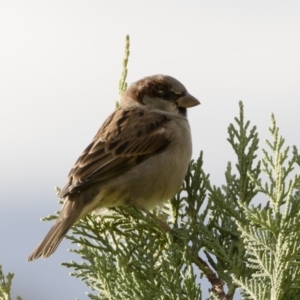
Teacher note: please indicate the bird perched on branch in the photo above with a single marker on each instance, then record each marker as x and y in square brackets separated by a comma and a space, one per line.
[139, 156]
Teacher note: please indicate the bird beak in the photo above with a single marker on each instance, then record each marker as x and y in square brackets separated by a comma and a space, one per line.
[187, 101]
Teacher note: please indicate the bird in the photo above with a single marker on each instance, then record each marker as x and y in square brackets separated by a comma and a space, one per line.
[139, 156]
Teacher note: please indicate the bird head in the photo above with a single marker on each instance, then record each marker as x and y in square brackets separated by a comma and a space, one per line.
[159, 92]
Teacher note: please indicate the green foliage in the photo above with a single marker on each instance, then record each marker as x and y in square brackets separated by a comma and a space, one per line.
[225, 242]
[122, 82]
[129, 256]
[272, 233]
[5, 285]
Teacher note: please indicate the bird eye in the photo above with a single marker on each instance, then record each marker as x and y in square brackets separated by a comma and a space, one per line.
[165, 95]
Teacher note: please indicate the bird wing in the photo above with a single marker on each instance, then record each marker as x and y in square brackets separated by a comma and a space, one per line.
[127, 137]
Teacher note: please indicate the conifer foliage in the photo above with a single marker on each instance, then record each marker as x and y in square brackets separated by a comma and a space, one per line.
[5, 285]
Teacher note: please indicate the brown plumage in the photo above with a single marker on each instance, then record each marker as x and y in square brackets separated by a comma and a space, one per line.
[139, 156]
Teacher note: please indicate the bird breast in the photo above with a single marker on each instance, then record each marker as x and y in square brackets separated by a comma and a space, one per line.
[144, 185]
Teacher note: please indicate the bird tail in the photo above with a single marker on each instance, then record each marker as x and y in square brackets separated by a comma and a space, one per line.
[69, 214]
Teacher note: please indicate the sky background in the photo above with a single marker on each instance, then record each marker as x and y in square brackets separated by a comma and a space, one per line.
[60, 64]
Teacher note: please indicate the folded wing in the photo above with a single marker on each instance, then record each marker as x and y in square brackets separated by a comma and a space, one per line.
[126, 138]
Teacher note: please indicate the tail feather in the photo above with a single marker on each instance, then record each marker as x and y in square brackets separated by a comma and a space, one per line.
[51, 240]
[69, 214]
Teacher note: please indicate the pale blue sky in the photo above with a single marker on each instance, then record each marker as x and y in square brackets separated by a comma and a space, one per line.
[60, 63]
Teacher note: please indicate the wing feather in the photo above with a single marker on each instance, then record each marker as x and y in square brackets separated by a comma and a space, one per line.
[127, 137]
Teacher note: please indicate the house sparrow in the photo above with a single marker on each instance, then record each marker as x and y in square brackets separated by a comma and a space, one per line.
[139, 156]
